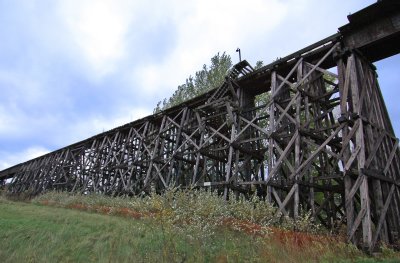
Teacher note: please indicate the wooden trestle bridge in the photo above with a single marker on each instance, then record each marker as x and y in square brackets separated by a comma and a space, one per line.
[322, 141]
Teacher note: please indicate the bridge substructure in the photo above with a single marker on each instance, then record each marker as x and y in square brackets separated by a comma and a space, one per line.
[309, 131]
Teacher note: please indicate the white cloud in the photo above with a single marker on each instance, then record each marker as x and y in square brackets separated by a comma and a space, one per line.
[85, 128]
[263, 30]
[18, 124]
[98, 30]
[124, 116]
[8, 159]
[70, 133]
[204, 28]
[23, 87]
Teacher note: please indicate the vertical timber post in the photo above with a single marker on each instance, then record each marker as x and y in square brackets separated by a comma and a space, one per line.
[368, 149]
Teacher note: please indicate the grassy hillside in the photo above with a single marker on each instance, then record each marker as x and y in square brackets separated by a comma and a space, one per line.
[40, 232]
[32, 233]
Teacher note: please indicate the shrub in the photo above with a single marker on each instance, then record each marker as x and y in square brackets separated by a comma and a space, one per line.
[199, 211]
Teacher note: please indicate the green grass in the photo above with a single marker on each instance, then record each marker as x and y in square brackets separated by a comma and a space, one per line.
[32, 232]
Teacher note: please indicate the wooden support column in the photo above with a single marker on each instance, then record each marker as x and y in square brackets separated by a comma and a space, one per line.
[361, 158]
[344, 83]
[297, 142]
[154, 153]
[272, 129]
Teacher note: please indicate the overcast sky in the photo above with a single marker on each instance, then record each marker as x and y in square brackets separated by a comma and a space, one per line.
[70, 69]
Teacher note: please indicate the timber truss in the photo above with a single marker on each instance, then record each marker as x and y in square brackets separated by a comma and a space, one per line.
[294, 133]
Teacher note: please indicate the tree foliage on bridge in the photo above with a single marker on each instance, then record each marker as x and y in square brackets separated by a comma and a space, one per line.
[206, 79]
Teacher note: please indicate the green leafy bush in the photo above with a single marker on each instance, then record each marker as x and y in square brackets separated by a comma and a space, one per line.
[200, 210]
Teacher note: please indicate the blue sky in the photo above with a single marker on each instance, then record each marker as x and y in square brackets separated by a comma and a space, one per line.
[70, 69]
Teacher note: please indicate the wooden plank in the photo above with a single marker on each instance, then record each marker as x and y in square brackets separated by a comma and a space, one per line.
[346, 139]
[287, 198]
[297, 143]
[312, 156]
[378, 175]
[352, 157]
[272, 129]
[229, 163]
[299, 83]
[346, 86]
[277, 90]
[280, 204]
[364, 191]
[278, 163]
[331, 74]
[378, 209]
[382, 218]
[285, 159]
[391, 156]
[284, 112]
[354, 188]
[357, 222]
[327, 151]
[153, 154]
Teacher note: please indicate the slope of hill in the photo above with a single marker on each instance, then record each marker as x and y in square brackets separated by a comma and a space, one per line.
[38, 231]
